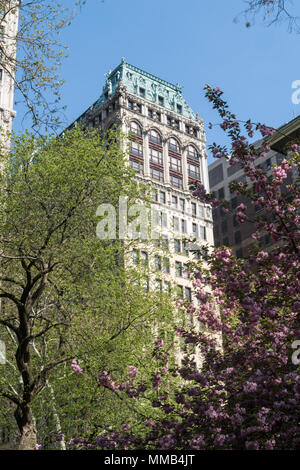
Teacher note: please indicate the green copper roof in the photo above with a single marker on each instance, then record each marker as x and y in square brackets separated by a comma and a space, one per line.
[147, 86]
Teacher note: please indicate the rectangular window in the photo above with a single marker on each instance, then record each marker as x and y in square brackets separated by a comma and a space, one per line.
[194, 208]
[183, 226]
[157, 263]
[156, 174]
[162, 197]
[158, 285]
[158, 116]
[178, 268]
[176, 124]
[185, 272]
[195, 230]
[176, 224]
[180, 291]
[188, 293]
[179, 108]
[160, 101]
[156, 156]
[176, 181]
[137, 166]
[187, 129]
[174, 201]
[139, 108]
[150, 113]
[182, 204]
[154, 195]
[136, 148]
[144, 258]
[142, 92]
[202, 232]
[194, 171]
[163, 219]
[130, 104]
[169, 121]
[177, 246]
[221, 193]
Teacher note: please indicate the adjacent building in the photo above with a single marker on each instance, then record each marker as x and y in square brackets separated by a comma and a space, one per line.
[227, 230]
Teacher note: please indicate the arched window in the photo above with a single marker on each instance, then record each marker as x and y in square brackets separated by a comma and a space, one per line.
[192, 153]
[173, 145]
[155, 137]
[135, 129]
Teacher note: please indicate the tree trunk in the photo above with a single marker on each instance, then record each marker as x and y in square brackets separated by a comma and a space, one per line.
[26, 424]
[28, 438]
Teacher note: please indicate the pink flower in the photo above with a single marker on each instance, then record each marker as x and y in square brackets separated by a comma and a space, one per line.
[132, 372]
[252, 445]
[76, 368]
[294, 148]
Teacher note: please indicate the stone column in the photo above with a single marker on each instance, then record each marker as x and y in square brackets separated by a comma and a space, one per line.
[184, 169]
[146, 153]
[165, 161]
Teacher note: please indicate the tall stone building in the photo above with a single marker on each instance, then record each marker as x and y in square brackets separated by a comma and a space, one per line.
[167, 150]
[8, 33]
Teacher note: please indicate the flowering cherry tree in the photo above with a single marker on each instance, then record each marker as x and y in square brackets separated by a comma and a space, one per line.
[246, 394]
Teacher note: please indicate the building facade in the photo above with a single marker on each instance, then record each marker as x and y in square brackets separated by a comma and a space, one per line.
[227, 230]
[8, 34]
[167, 150]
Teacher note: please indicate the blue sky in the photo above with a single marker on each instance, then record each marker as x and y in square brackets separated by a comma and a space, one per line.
[192, 42]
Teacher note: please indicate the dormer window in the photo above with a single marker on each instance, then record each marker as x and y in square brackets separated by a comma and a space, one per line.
[160, 101]
[179, 109]
[142, 92]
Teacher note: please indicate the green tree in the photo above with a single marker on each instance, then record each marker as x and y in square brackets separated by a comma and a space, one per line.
[56, 275]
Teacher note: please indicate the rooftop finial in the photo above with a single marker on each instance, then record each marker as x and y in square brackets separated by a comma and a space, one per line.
[123, 60]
